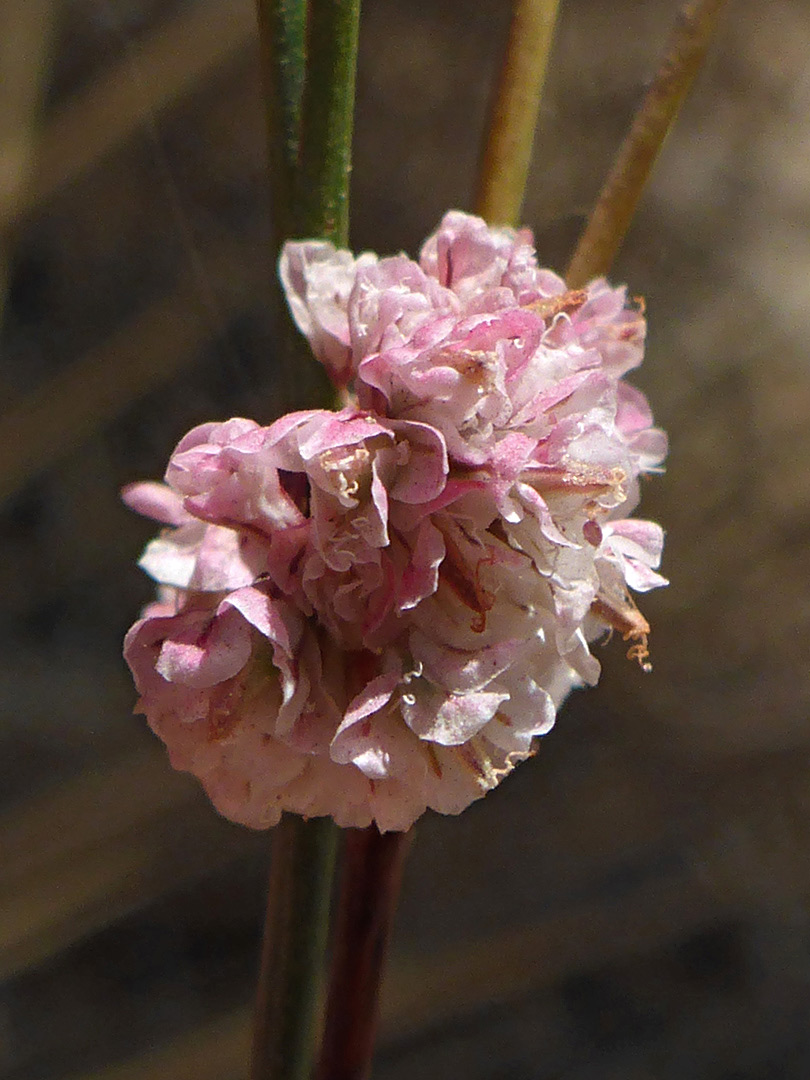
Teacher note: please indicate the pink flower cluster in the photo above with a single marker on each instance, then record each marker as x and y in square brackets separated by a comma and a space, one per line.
[369, 612]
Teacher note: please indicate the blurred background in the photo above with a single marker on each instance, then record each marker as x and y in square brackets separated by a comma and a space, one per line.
[633, 902]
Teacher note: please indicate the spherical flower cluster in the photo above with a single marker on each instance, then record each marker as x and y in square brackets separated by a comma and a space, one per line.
[369, 612]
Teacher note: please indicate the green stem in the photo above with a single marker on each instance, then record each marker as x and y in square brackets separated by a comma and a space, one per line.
[295, 938]
[309, 111]
[282, 28]
[611, 216]
[324, 160]
[515, 105]
[282, 39]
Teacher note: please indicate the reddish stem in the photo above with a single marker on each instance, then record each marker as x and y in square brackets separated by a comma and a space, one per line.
[369, 890]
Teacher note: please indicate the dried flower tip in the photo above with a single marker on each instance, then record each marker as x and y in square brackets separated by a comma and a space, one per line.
[625, 617]
[565, 304]
[639, 650]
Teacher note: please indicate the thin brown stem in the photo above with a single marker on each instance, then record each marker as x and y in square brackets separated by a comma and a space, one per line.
[614, 209]
[370, 883]
[513, 113]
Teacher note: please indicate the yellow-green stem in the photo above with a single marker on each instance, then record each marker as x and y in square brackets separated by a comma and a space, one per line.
[614, 209]
[515, 105]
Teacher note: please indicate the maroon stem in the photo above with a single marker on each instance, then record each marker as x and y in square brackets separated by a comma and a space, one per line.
[369, 890]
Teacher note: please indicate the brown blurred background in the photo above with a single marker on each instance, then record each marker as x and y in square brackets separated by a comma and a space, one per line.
[632, 903]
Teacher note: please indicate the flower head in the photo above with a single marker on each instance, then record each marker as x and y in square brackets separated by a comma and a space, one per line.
[369, 612]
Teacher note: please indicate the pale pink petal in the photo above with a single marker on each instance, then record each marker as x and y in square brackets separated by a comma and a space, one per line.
[420, 578]
[204, 557]
[204, 650]
[157, 501]
[638, 545]
[450, 719]
[318, 281]
[462, 671]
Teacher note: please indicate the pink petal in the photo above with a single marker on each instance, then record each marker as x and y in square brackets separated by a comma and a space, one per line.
[156, 501]
[204, 651]
[451, 719]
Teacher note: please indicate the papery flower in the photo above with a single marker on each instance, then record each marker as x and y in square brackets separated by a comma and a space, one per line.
[369, 612]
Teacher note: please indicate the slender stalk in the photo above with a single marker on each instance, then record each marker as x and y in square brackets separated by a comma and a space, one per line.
[370, 882]
[282, 26]
[515, 105]
[617, 201]
[324, 160]
[310, 111]
[282, 30]
[293, 950]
